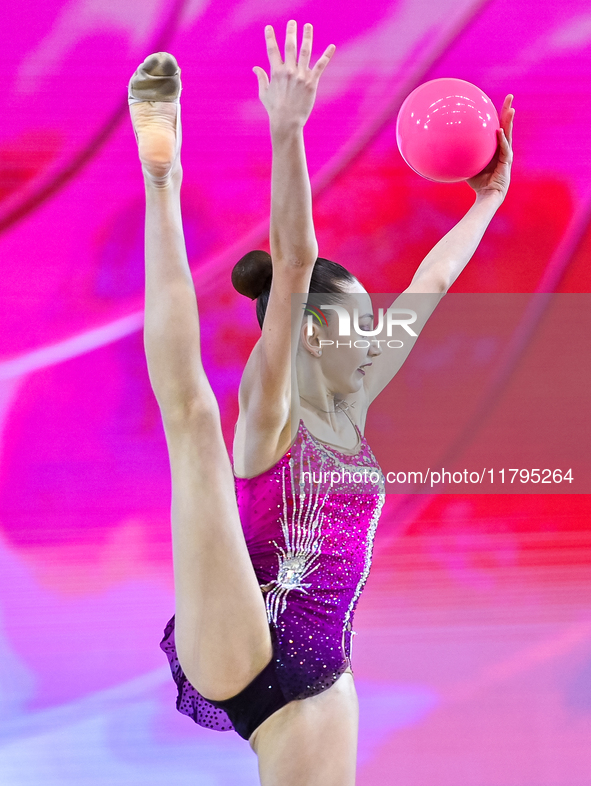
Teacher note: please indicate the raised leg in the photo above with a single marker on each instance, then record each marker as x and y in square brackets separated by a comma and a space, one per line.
[222, 633]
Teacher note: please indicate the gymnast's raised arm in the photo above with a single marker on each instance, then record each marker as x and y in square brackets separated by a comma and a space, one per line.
[444, 263]
[268, 385]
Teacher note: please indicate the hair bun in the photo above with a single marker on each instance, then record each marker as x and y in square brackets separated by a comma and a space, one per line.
[252, 274]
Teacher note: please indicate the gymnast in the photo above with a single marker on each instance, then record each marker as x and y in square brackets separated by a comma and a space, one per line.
[268, 564]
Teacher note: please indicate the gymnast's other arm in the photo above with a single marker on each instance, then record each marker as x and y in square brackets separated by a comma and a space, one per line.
[268, 385]
[444, 263]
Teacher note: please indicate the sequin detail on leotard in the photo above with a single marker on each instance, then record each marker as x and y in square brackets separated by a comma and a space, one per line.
[310, 538]
[302, 544]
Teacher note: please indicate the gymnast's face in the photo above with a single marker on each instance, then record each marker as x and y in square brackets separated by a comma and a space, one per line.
[343, 366]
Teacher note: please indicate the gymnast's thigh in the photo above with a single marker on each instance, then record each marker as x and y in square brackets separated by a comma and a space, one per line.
[311, 742]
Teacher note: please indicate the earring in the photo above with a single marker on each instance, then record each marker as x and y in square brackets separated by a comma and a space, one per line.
[319, 352]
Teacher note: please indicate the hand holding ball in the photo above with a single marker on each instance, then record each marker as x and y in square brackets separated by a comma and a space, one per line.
[447, 130]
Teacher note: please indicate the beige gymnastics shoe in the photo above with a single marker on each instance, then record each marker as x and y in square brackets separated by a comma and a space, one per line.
[154, 103]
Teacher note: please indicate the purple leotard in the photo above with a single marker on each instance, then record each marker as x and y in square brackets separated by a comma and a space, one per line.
[309, 523]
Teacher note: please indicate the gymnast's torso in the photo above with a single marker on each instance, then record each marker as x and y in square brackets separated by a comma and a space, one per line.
[309, 522]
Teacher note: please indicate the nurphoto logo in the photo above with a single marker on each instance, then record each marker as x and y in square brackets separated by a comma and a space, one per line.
[395, 317]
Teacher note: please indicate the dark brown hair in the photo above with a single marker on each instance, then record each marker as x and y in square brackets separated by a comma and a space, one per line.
[252, 276]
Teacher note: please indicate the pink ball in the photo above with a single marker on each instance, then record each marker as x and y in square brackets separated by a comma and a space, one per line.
[447, 130]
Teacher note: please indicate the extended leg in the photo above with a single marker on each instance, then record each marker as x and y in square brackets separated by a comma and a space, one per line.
[222, 633]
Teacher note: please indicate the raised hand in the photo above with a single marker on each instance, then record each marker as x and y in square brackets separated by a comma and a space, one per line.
[494, 178]
[289, 95]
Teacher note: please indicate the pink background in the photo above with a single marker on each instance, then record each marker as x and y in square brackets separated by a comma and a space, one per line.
[473, 659]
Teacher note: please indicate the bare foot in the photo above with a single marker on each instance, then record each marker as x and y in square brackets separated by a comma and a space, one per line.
[154, 90]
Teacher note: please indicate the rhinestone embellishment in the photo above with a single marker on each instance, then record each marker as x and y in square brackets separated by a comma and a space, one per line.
[291, 572]
[302, 533]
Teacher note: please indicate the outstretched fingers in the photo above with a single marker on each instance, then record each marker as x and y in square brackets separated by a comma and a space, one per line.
[323, 61]
[291, 43]
[505, 132]
[507, 115]
[273, 52]
[306, 48]
[263, 80]
[504, 153]
[306, 54]
[290, 87]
